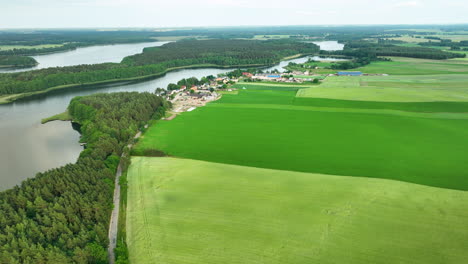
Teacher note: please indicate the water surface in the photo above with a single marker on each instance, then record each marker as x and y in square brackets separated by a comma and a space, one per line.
[88, 55]
[28, 147]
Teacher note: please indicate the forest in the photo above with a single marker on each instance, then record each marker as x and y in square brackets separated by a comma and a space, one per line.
[62, 215]
[158, 61]
[16, 61]
[222, 52]
[359, 48]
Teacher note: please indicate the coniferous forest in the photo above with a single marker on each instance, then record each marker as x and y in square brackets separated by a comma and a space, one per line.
[157, 61]
[62, 215]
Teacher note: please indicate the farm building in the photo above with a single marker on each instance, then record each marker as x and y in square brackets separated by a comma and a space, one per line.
[356, 73]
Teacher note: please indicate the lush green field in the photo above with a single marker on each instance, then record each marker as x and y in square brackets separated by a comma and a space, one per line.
[412, 66]
[275, 129]
[187, 211]
[402, 88]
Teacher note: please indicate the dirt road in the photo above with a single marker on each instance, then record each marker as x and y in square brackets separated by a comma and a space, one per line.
[114, 221]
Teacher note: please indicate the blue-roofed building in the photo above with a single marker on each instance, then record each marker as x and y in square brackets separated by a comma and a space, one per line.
[274, 76]
[356, 73]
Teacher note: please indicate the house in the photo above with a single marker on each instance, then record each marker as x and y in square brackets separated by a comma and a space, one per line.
[194, 88]
[247, 74]
[357, 73]
[183, 87]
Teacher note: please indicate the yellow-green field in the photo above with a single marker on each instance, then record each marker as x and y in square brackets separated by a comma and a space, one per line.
[187, 211]
[403, 88]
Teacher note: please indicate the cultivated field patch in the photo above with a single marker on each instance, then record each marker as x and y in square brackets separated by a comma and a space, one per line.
[400, 88]
[276, 129]
[187, 211]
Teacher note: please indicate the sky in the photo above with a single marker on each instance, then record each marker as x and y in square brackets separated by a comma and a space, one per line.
[196, 13]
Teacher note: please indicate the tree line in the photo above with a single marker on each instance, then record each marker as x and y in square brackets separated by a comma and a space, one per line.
[62, 215]
[155, 61]
[16, 61]
[358, 48]
[365, 52]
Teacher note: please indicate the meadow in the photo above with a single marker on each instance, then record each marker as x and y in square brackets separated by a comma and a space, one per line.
[188, 211]
[11, 47]
[401, 88]
[413, 66]
[412, 142]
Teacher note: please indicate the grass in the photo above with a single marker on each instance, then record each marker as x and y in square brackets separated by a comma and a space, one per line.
[10, 47]
[403, 88]
[277, 130]
[412, 66]
[186, 211]
[65, 116]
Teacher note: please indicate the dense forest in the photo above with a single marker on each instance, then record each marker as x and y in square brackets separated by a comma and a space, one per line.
[184, 53]
[222, 52]
[62, 215]
[16, 61]
[358, 48]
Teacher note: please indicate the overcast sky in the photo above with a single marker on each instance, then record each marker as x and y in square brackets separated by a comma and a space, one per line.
[187, 13]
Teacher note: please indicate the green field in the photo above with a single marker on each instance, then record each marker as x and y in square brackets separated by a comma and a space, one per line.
[402, 88]
[369, 169]
[412, 66]
[277, 130]
[187, 211]
[10, 47]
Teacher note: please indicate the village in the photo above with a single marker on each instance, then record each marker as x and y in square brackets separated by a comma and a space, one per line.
[186, 98]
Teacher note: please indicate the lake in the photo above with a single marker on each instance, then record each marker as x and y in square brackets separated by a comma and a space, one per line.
[28, 147]
[88, 55]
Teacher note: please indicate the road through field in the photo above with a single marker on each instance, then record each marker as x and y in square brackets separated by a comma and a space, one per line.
[113, 226]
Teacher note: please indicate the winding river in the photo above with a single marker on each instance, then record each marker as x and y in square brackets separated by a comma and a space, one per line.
[28, 147]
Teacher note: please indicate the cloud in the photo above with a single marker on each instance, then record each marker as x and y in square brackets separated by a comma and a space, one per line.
[409, 4]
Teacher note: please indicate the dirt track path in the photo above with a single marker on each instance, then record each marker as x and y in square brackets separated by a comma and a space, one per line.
[114, 221]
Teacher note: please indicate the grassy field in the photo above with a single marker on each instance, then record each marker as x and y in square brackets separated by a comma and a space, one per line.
[402, 88]
[412, 66]
[10, 47]
[276, 129]
[187, 211]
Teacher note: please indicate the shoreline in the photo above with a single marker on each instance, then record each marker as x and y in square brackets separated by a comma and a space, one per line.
[6, 99]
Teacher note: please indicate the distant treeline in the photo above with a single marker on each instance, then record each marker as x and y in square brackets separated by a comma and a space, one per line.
[379, 49]
[16, 61]
[71, 39]
[364, 52]
[156, 61]
[461, 45]
[62, 215]
[35, 51]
